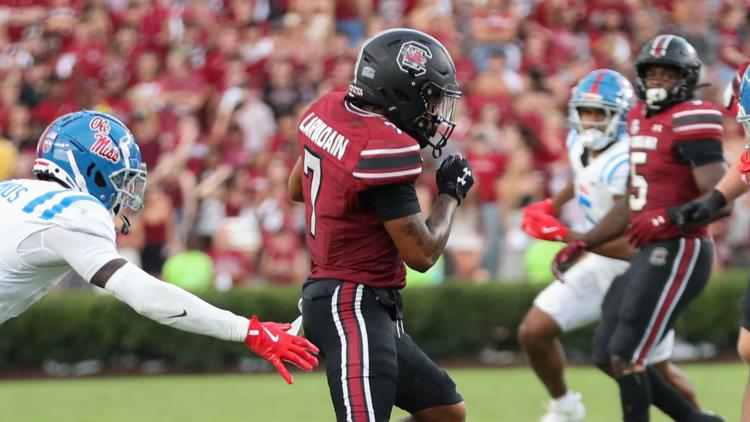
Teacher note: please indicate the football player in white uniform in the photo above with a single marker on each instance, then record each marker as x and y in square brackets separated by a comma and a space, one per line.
[598, 152]
[89, 175]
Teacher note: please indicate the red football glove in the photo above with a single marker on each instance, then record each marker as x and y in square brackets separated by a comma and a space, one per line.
[541, 207]
[543, 226]
[744, 165]
[567, 257]
[650, 224]
[270, 341]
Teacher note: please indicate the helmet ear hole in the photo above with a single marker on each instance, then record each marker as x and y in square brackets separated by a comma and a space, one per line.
[99, 179]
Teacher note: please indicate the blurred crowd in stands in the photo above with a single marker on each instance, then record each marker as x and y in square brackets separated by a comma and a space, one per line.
[212, 90]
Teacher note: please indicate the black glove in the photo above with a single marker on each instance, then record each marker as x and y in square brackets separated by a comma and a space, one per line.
[699, 211]
[454, 176]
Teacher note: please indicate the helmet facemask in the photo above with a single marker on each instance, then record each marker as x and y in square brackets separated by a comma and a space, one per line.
[596, 135]
[659, 98]
[435, 125]
[130, 185]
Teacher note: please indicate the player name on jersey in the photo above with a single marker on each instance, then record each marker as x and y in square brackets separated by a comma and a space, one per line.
[644, 142]
[324, 136]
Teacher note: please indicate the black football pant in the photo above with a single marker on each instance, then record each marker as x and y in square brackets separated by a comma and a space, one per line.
[642, 303]
[371, 363]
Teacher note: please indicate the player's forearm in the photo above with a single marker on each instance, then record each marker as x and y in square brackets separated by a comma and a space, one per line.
[433, 234]
[731, 185]
[170, 305]
[610, 227]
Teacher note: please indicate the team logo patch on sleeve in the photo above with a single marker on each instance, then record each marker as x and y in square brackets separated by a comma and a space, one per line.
[412, 58]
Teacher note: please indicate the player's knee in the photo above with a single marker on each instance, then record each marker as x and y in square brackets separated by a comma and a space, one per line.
[533, 331]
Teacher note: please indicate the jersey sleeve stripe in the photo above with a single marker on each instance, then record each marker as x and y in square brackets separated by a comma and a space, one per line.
[619, 156]
[697, 118]
[382, 163]
[31, 206]
[385, 175]
[699, 126]
[65, 203]
[388, 151]
[694, 112]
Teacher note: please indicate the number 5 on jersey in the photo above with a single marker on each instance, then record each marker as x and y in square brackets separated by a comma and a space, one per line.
[312, 165]
[638, 199]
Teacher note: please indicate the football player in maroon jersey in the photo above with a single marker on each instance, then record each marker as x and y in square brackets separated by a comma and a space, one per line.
[735, 183]
[359, 158]
[675, 156]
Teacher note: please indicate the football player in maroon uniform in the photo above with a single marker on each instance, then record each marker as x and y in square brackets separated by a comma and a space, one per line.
[734, 184]
[359, 158]
[675, 156]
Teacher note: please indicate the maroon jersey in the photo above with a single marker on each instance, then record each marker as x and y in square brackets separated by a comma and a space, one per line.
[660, 175]
[346, 150]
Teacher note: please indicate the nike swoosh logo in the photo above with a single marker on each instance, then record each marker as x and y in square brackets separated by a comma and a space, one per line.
[275, 338]
[546, 230]
[184, 313]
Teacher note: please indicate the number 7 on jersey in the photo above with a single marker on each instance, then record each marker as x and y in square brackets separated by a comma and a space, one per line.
[312, 165]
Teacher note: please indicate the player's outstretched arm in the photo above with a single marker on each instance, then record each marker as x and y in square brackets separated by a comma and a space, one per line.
[170, 305]
[96, 260]
[420, 242]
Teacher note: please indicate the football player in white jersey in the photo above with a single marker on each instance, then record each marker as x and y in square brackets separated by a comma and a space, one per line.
[89, 175]
[598, 152]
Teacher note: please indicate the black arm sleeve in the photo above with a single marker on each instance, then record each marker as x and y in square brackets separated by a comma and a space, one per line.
[390, 202]
[698, 152]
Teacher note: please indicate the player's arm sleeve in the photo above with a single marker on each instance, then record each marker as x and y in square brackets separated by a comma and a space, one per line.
[697, 134]
[390, 202]
[170, 305]
[388, 162]
[155, 299]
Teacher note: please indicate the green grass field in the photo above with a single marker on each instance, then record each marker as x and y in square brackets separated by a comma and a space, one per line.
[491, 395]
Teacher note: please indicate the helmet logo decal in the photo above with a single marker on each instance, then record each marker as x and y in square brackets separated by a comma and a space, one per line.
[412, 58]
[660, 44]
[47, 140]
[100, 124]
[103, 146]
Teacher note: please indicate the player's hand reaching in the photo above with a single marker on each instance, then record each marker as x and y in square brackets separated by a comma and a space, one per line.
[271, 341]
[649, 224]
[567, 257]
[543, 226]
[455, 177]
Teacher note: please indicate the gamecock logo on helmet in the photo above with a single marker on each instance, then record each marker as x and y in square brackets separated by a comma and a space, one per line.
[412, 58]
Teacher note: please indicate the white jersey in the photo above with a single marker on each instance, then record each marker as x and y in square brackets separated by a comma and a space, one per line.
[599, 179]
[29, 209]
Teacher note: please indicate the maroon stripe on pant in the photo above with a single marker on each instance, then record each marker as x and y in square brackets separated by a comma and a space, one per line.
[354, 367]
